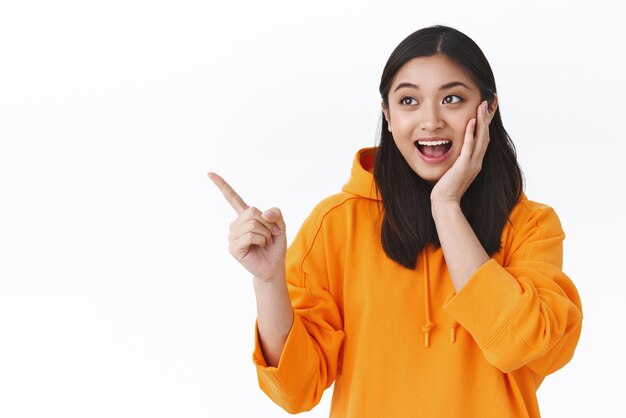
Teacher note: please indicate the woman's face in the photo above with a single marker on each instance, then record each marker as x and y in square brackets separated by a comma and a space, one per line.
[431, 101]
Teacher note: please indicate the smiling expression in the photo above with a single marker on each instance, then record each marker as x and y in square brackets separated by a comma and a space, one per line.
[431, 101]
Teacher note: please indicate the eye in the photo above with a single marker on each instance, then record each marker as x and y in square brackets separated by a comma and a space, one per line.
[408, 101]
[445, 100]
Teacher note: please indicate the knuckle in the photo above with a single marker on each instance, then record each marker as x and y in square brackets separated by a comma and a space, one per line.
[258, 225]
[247, 213]
[259, 228]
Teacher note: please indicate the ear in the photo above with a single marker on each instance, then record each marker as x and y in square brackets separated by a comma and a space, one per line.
[386, 113]
[493, 106]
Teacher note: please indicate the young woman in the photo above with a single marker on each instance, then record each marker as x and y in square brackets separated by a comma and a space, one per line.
[430, 286]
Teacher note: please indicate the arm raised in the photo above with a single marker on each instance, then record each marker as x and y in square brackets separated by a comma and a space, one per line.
[258, 242]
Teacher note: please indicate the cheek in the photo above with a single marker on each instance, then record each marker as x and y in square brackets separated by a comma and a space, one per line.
[402, 125]
[460, 124]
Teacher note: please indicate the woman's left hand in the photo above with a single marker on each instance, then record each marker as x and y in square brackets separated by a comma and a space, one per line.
[452, 185]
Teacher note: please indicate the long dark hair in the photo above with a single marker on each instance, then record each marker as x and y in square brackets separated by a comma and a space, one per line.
[407, 225]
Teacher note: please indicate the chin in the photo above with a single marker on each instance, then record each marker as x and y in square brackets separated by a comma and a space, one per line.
[430, 181]
[429, 177]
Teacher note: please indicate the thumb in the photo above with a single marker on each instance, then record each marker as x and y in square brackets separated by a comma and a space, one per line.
[274, 216]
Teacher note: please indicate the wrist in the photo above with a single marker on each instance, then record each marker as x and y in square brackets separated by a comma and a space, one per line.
[272, 280]
[444, 205]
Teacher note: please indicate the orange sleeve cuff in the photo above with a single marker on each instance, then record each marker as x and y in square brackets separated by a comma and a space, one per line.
[486, 302]
[298, 354]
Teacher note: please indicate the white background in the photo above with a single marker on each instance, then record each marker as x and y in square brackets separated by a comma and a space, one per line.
[118, 296]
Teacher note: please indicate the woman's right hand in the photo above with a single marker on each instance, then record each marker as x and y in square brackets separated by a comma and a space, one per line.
[257, 240]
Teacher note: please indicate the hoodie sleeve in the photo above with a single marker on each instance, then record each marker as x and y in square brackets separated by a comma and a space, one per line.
[309, 361]
[525, 312]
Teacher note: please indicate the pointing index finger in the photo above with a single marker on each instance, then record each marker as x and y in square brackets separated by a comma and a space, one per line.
[229, 193]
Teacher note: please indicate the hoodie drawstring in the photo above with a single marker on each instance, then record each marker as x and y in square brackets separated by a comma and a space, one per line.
[429, 325]
[453, 326]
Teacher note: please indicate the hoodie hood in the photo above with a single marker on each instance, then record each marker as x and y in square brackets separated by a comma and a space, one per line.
[361, 181]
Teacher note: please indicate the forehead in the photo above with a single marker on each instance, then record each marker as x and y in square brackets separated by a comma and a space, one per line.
[431, 72]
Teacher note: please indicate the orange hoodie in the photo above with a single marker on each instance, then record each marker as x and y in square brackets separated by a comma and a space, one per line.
[399, 342]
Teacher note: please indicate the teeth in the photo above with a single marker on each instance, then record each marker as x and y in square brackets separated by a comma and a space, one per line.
[433, 143]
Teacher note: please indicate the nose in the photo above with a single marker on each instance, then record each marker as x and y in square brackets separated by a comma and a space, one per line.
[430, 119]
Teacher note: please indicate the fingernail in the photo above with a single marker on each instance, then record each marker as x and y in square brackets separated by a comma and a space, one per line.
[275, 229]
[268, 214]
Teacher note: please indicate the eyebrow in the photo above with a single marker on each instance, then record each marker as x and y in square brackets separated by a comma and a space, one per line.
[443, 87]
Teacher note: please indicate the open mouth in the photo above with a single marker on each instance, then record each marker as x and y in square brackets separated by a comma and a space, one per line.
[434, 149]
